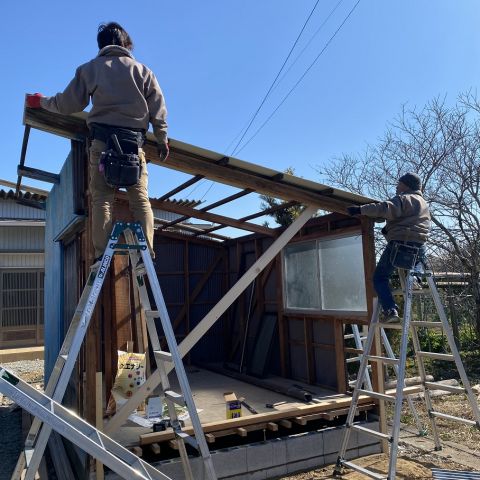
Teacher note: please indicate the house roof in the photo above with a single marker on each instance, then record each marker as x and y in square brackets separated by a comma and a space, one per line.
[202, 163]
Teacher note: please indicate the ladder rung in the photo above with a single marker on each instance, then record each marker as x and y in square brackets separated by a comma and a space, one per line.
[360, 469]
[152, 314]
[391, 326]
[427, 324]
[175, 397]
[353, 359]
[187, 438]
[437, 356]
[351, 335]
[371, 432]
[447, 388]
[374, 358]
[455, 419]
[423, 291]
[379, 396]
[162, 355]
[64, 357]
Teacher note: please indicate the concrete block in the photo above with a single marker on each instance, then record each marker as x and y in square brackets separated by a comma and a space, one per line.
[277, 472]
[230, 461]
[306, 464]
[333, 437]
[304, 446]
[369, 449]
[364, 438]
[260, 456]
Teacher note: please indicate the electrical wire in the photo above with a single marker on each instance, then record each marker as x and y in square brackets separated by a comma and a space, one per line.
[276, 78]
[301, 78]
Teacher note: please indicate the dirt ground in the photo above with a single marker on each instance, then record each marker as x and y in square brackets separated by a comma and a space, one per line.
[461, 445]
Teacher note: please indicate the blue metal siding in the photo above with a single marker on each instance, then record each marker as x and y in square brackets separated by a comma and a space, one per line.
[59, 213]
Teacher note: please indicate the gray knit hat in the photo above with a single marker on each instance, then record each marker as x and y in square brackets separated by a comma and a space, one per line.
[411, 180]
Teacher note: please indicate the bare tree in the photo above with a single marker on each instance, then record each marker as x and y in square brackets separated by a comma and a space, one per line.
[442, 144]
[285, 216]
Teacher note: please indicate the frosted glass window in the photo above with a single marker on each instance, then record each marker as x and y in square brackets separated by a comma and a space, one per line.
[302, 289]
[342, 275]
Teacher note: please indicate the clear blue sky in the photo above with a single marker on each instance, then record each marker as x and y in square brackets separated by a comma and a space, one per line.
[215, 60]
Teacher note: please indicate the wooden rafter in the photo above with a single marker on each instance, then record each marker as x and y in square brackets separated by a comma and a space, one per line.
[181, 187]
[223, 201]
[211, 217]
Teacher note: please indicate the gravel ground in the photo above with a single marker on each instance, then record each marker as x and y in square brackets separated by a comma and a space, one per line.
[11, 415]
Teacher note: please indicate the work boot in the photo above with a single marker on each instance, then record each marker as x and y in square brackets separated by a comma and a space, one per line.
[391, 316]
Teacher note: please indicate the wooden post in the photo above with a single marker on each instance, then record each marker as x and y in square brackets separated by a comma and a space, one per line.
[99, 417]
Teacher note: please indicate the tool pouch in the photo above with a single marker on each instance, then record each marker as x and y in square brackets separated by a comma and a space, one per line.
[120, 162]
[403, 256]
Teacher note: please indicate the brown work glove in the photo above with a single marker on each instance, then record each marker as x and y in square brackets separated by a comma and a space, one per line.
[163, 151]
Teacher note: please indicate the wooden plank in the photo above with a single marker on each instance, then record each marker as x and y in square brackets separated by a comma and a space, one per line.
[210, 437]
[99, 418]
[241, 431]
[269, 210]
[181, 187]
[217, 311]
[273, 427]
[299, 420]
[261, 419]
[37, 174]
[341, 366]
[285, 423]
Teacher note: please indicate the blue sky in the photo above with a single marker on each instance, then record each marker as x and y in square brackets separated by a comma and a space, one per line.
[215, 60]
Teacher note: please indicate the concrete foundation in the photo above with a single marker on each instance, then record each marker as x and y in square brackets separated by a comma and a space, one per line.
[279, 457]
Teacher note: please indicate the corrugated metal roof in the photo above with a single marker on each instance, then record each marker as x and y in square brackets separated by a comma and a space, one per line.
[454, 475]
[10, 195]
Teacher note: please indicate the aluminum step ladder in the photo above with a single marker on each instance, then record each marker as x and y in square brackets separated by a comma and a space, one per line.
[359, 347]
[136, 247]
[66, 423]
[406, 327]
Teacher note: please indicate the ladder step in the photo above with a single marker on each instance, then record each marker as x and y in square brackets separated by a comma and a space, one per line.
[391, 326]
[360, 469]
[447, 388]
[353, 359]
[371, 432]
[351, 335]
[162, 355]
[187, 439]
[437, 356]
[427, 324]
[379, 396]
[175, 397]
[472, 423]
[152, 314]
[391, 361]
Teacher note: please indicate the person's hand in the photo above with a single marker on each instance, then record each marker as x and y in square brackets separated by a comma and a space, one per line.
[354, 210]
[33, 100]
[163, 151]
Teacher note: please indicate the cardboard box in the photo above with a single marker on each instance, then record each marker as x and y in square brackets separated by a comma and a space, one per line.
[234, 407]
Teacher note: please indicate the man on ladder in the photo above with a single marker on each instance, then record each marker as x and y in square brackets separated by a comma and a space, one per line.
[126, 97]
[408, 223]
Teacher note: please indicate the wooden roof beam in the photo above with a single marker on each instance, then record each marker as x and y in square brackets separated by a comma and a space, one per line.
[212, 217]
[181, 187]
[212, 206]
[195, 230]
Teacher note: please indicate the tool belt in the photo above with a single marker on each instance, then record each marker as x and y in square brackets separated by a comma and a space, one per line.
[120, 162]
[404, 255]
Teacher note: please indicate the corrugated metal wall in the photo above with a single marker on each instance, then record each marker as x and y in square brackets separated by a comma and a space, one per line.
[11, 209]
[29, 239]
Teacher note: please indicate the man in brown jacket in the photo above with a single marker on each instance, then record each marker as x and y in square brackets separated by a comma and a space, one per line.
[408, 222]
[125, 97]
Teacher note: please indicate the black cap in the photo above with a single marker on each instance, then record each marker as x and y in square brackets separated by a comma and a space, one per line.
[411, 180]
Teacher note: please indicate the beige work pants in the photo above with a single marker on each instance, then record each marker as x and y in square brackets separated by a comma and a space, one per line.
[103, 197]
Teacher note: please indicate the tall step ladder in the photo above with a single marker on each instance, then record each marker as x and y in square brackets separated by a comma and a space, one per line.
[406, 327]
[142, 264]
[358, 351]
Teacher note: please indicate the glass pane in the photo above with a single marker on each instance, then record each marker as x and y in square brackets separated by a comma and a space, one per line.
[341, 274]
[301, 277]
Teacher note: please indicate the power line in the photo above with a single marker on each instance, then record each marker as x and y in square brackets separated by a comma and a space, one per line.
[301, 78]
[276, 78]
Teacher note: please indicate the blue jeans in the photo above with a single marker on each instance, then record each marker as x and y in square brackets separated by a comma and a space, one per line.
[384, 270]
